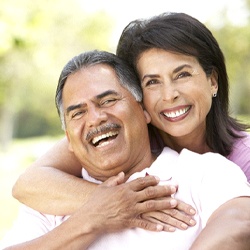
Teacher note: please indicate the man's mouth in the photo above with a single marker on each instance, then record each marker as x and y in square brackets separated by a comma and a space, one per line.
[104, 138]
[103, 135]
[176, 113]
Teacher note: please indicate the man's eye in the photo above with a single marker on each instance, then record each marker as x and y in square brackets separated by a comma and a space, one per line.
[77, 114]
[108, 102]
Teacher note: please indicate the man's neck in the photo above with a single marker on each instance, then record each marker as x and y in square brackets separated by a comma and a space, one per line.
[145, 162]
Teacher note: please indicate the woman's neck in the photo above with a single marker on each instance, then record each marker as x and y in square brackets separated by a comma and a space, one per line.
[196, 143]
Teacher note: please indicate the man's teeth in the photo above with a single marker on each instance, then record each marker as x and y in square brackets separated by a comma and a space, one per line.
[177, 113]
[101, 137]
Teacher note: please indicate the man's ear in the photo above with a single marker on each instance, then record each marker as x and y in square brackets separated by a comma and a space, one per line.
[68, 138]
[147, 116]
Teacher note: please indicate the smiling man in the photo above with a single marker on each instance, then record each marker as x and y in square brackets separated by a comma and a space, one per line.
[99, 102]
[99, 123]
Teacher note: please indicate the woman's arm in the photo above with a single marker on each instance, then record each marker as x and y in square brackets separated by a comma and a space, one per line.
[54, 179]
[228, 228]
[107, 210]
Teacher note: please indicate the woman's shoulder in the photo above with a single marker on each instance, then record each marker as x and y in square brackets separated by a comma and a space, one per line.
[242, 143]
[240, 154]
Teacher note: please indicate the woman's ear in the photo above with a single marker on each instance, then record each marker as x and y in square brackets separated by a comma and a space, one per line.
[147, 116]
[214, 82]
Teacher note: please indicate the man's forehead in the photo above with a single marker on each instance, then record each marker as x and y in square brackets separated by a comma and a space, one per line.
[93, 83]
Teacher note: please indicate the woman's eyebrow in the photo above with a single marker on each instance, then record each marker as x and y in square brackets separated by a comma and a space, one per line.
[182, 67]
[150, 76]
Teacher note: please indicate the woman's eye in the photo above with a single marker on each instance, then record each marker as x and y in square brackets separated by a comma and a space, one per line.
[151, 82]
[183, 74]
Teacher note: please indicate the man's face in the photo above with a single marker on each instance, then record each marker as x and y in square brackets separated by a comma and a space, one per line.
[105, 125]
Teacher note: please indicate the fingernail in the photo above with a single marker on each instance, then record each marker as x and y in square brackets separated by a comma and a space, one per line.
[184, 226]
[157, 178]
[159, 227]
[192, 211]
[192, 222]
[171, 229]
[173, 202]
[173, 189]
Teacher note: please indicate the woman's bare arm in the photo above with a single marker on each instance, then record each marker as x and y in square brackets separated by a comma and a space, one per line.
[54, 179]
[228, 228]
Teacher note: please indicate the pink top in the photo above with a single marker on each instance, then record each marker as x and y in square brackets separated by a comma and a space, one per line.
[241, 154]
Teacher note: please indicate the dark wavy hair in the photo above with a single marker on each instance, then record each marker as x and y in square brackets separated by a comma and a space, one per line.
[181, 33]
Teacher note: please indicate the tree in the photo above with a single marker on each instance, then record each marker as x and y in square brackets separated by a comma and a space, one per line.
[36, 41]
[234, 41]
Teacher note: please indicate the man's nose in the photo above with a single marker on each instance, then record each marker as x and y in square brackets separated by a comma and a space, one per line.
[96, 116]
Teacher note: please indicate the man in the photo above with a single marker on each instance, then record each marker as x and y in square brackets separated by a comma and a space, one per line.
[99, 103]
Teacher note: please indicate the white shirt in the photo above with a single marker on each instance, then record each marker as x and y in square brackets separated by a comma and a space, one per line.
[204, 181]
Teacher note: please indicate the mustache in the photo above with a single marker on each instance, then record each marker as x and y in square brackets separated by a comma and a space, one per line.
[102, 129]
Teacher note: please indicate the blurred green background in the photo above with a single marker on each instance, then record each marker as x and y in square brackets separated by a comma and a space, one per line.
[38, 38]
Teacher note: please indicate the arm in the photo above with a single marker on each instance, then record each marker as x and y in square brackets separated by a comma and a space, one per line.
[113, 213]
[228, 228]
[59, 170]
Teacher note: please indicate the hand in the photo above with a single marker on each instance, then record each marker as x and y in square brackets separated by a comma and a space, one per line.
[116, 205]
[179, 217]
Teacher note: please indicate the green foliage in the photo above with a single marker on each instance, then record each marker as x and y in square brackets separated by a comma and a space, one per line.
[234, 42]
[37, 39]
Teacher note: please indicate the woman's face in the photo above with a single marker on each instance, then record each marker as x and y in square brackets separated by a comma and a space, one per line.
[177, 93]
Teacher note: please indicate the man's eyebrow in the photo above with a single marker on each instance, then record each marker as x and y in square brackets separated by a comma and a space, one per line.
[98, 97]
[73, 107]
[106, 93]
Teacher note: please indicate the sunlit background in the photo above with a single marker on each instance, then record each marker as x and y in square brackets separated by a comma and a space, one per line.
[38, 37]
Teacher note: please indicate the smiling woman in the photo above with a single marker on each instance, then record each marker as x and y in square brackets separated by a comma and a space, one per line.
[182, 71]
[177, 94]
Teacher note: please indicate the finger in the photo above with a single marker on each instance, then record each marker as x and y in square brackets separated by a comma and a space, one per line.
[155, 205]
[186, 208]
[147, 225]
[114, 180]
[151, 216]
[155, 192]
[143, 182]
[177, 218]
[167, 221]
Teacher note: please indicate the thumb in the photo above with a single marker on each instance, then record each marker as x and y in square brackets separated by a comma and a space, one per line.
[115, 180]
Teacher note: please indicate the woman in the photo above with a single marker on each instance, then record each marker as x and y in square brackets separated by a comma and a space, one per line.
[185, 87]
[148, 45]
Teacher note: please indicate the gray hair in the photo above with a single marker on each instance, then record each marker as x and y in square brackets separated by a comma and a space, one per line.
[124, 73]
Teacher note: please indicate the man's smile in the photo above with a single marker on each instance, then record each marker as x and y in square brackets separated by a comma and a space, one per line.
[103, 139]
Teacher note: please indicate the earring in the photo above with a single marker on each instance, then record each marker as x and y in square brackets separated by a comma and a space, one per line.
[214, 94]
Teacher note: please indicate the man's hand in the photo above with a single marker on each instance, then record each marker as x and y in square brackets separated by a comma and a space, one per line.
[179, 217]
